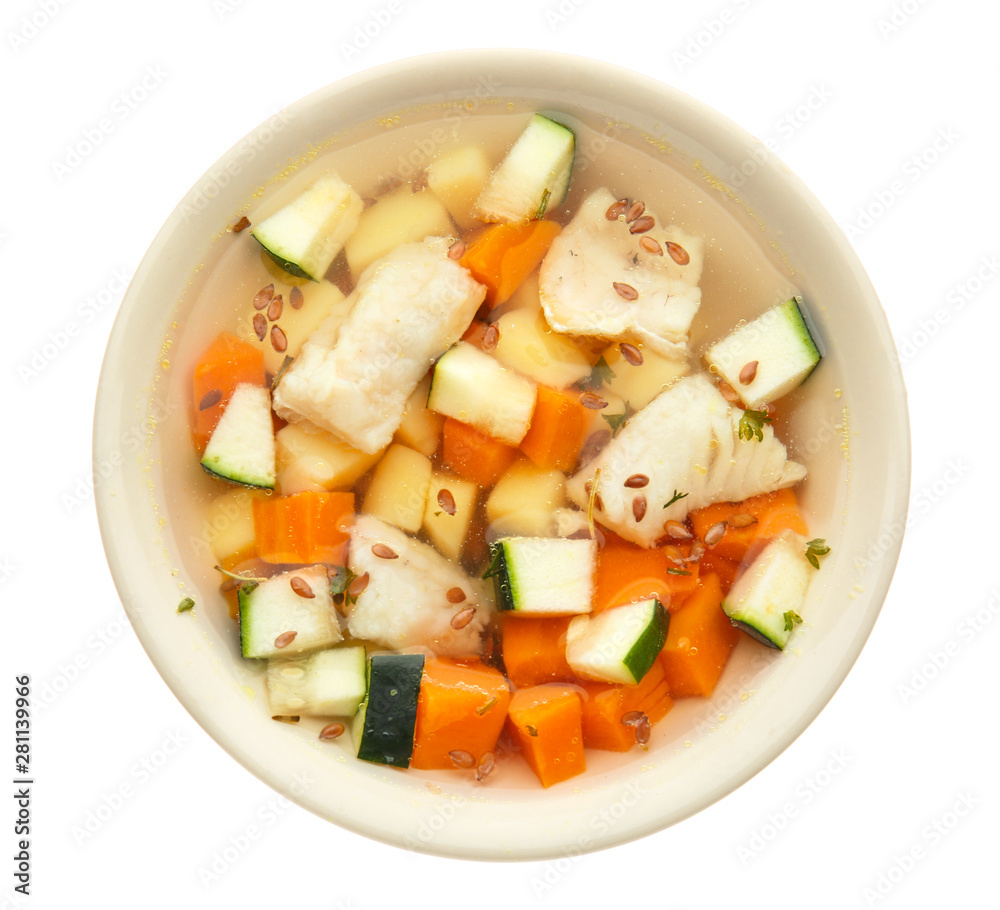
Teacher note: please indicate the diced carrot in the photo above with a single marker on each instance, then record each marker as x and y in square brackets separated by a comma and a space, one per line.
[775, 512]
[303, 528]
[228, 362]
[505, 254]
[534, 649]
[557, 430]
[546, 722]
[462, 708]
[627, 572]
[474, 455]
[606, 704]
[699, 640]
[725, 569]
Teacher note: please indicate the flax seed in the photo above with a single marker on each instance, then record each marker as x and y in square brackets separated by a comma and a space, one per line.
[625, 291]
[462, 759]
[358, 585]
[639, 507]
[631, 353]
[210, 400]
[641, 225]
[446, 500]
[749, 372]
[743, 520]
[463, 617]
[714, 534]
[275, 307]
[491, 337]
[678, 253]
[485, 766]
[457, 249]
[636, 481]
[285, 639]
[635, 210]
[332, 731]
[279, 341]
[677, 530]
[616, 210]
[260, 326]
[296, 298]
[651, 246]
[263, 297]
[455, 595]
[593, 401]
[301, 587]
[384, 552]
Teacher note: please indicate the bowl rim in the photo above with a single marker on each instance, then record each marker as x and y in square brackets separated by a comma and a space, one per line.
[128, 557]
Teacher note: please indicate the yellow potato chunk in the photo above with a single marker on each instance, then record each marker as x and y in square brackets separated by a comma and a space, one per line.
[312, 459]
[398, 491]
[448, 512]
[524, 498]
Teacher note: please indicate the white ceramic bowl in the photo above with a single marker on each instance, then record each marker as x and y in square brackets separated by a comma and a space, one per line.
[854, 431]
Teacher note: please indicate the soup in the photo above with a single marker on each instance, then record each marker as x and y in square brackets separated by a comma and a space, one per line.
[493, 414]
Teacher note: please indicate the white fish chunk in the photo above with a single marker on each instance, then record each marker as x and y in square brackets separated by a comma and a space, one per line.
[686, 441]
[354, 375]
[578, 276]
[405, 603]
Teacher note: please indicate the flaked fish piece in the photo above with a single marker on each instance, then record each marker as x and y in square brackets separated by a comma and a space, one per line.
[410, 598]
[354, 375]
[686, 442]
[601, 278]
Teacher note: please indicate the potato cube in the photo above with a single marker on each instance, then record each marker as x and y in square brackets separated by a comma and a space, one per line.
[398, 491]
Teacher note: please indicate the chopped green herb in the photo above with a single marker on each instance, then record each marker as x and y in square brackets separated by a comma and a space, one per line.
[675, 498]
[340, 582]
[673, 571]
[814, 549]
[482, 709]
[752, 424]
[493, 569]
[544, 204]
[186, 604]
[285, 364]
[532, 729]
[600, 374]
[246, 582]
[615, 421]
[791, 618]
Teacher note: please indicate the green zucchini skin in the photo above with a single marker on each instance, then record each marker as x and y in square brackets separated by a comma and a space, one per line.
[501, 579]
[386, 721]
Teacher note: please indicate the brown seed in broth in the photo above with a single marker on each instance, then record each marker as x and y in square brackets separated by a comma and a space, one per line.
[635, 210]
[631, 353]
[641, 225]
[728, 392]
[593, 401]
[462, 618]
[296, 298]
[616, 210]
[241, 225]
[278, 339]
[635, 481]
[651, 246]
[595, 442]
[263, 297]
[631, 718]
[625, 291]
[383, 552]
[457, 249]
[678, 253]
[486, 764]
[332, 731]
[446, 500]
[357, 586]
[677, 530]
[749, 372]
[211, 399]
[673, 554]
[301, 587]
[491, 337]
[260, 326]
[275, 307]
[643, 728]
[697, 551]
[639, 507]
[455, 595]
[743, 520]
[462, 759]
[714, 534]
[285, 639]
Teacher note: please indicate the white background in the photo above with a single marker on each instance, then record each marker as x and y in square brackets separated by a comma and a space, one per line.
[902, 128]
